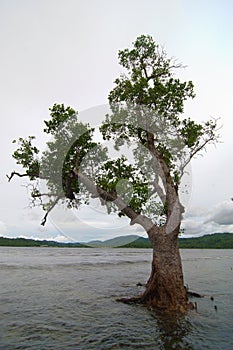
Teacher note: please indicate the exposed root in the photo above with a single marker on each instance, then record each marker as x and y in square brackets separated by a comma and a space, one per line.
[194, 294]
[133, 300]
[141, 301]
[152, 303]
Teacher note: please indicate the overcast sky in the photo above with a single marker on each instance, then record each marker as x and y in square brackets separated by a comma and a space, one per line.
[65, 51]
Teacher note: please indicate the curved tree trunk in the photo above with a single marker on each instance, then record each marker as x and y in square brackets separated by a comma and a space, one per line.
[165, 287]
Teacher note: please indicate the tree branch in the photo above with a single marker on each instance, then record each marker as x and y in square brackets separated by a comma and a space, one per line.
[49, 210]
[194, 152]
[96, 191]
[171, 198]
[14, 173]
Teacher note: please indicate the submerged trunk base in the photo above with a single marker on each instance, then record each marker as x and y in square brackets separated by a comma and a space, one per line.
[165, 293]
[152, 303]
[165, 288]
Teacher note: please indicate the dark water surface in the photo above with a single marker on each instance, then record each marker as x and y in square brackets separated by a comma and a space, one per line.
[65, 299]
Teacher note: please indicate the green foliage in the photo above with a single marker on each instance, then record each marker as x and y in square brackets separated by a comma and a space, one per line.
[191, 132]
[121, 178]
[149, 80]
[59, 114]
[70, 146]
[26, 155]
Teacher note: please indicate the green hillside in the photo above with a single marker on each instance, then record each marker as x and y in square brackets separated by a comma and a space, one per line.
[138, 243]
[22, 242]
[215, 241]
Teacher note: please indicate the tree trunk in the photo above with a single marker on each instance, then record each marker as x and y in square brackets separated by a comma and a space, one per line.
[165, 287]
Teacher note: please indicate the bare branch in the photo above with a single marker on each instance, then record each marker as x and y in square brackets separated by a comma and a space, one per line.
[39, 195]
[192, 154]
[195, 151]
[14, 173]
[49, 210]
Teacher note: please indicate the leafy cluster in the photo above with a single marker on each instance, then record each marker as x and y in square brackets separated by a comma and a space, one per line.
[72, 148]
[121, 178]
[27, 156]
[58, 114]
[149, 80]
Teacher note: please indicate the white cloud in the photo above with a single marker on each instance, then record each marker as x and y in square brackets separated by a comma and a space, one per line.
[192, 227]
[195, 212]
[59, 238]
[2, 228]
[222, 214]
[218, 219]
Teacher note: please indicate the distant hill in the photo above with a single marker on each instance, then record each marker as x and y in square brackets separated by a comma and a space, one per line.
[215, 241]
[22, 242]
[140, 242]
[114, 242]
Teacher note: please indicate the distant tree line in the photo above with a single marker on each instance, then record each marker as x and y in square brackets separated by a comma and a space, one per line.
[23, 242]
[214, 241]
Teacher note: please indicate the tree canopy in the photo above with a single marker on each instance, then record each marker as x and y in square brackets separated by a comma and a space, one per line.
[147, 105]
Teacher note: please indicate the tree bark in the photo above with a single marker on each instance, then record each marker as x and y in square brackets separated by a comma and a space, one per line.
[165, 287]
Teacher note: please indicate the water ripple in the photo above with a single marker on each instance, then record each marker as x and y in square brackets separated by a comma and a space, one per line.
[65, 299]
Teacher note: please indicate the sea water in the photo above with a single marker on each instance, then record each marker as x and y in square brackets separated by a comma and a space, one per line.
[65, 298]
